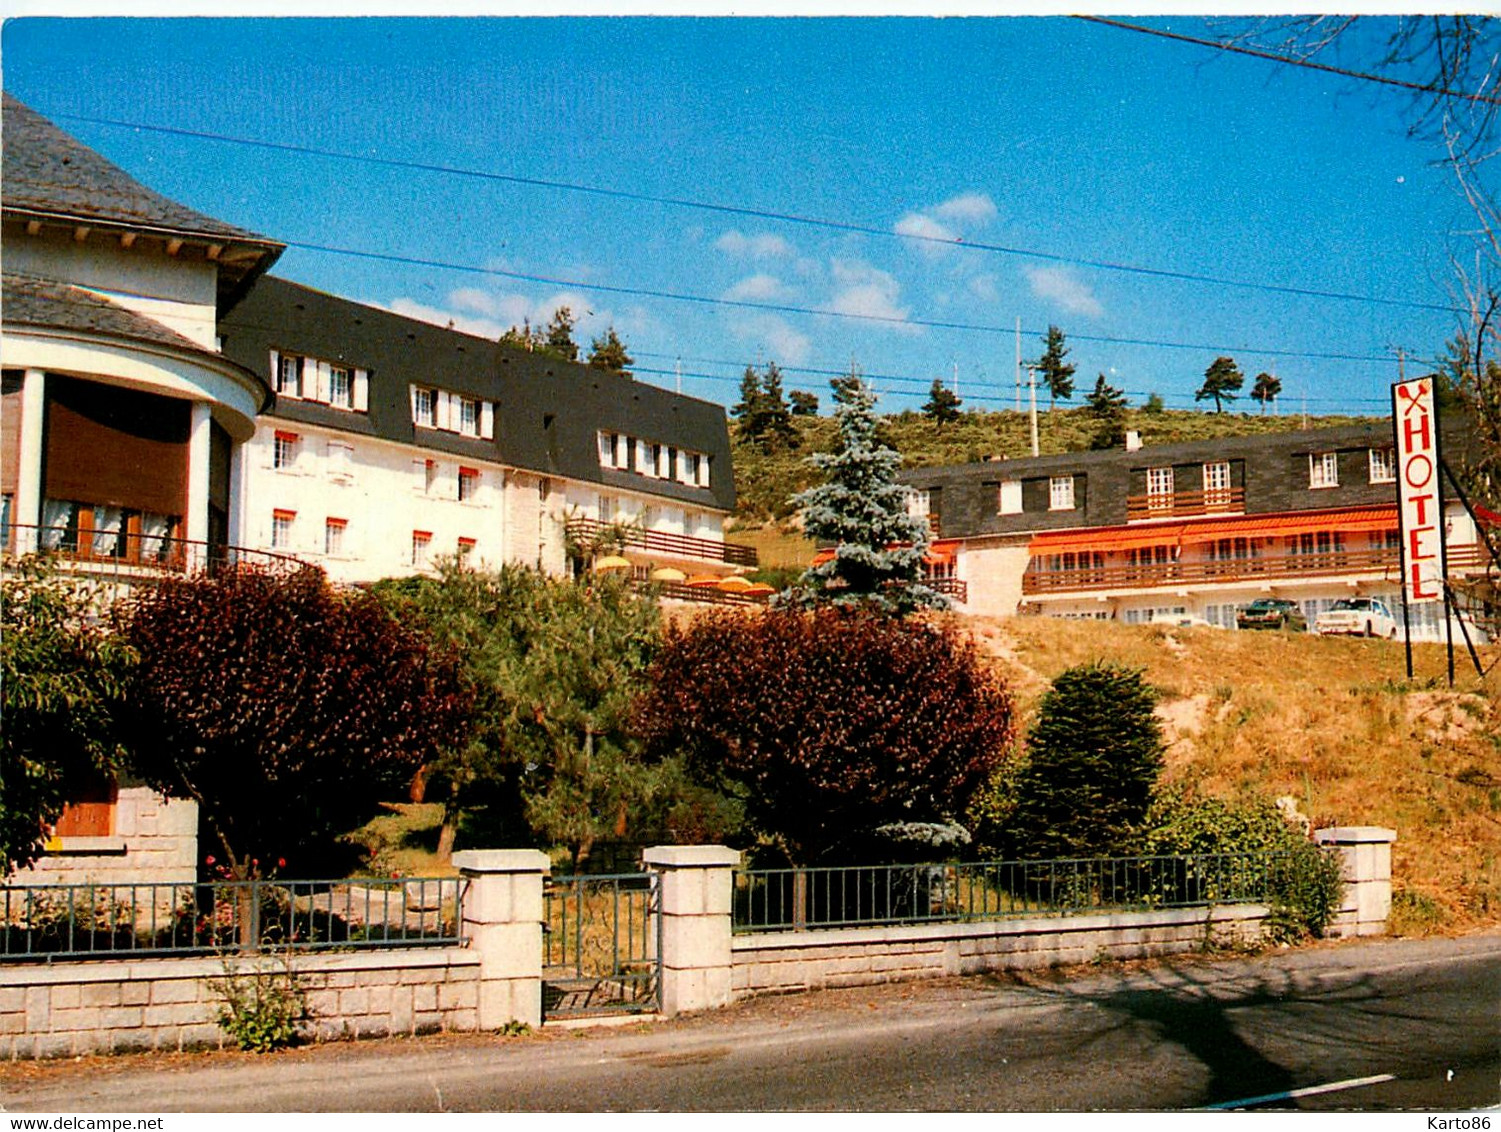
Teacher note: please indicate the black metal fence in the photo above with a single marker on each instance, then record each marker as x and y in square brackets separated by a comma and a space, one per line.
[75, 921]
[872, 895]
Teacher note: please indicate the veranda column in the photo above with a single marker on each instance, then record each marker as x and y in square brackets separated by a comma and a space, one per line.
[694, 900]
[28, 503]
[502, 920]
[199, 439]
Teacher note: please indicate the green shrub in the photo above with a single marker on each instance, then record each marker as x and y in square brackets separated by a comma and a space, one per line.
[1304, 882]
[1093, 757]
[261, 1008]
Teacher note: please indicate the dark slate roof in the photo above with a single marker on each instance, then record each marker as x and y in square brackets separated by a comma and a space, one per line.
[42, 302]
[46, 171]
[48, 175]
[29, 301]
[1271, 467]
[548, 413]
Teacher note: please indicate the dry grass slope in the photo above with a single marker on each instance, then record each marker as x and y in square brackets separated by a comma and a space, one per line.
[1331, 723]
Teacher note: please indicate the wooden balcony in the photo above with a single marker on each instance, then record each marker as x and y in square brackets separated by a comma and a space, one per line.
[956, 588]
[1462, 558]
[1183, 504]
[667, 545]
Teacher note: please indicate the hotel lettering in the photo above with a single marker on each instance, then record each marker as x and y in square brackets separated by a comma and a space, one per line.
[1416, 428]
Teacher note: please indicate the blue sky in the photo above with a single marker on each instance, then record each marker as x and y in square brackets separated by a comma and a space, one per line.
[1044, 135]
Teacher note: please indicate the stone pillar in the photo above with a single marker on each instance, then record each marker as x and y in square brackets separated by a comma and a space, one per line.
[696, 887]
[28, 502]
[199, 440]
[1366, 864]
[502, 921]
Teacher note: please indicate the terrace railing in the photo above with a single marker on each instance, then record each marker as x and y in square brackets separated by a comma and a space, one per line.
[83, 921]
[122, 557]
[663, 543]
[1216, 501]
[869, 896]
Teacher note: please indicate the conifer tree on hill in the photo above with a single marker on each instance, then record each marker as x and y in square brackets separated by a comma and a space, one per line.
[1057, 374]
[1222, 381]
[862, 511]
[943, 404]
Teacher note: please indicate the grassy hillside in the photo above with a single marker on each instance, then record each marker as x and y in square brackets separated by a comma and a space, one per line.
[1331, 723]
[765, 481]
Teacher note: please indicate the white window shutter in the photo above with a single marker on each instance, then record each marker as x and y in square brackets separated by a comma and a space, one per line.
[443, 410]
[643, 458]
[412, 393]
[320, 381]
[362, 391]
[703, 471]
[487, 420]
[606, 451]
[622, 451]
[275, 370]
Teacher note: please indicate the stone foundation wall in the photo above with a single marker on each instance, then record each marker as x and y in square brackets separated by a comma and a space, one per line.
[777, 962]
[108, 1006]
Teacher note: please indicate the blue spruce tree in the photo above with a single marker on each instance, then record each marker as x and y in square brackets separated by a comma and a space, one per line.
[862, 511]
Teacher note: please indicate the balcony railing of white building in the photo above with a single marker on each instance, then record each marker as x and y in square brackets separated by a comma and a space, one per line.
[663, 543]
[1090, 574]
[125, 558]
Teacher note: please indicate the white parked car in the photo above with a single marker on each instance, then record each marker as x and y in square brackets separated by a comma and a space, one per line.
[1357, 617]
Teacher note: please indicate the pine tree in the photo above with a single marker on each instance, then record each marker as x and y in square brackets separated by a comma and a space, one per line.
[1267, 388]
[1154, 405]
[610, 353]
[802, 404]
[862, 511]
[1107, 406]
[778, 416]
[1093, 759]
[558, 340]
[1056, 373]
[943, 404]
[524, 338]
[1222, 381]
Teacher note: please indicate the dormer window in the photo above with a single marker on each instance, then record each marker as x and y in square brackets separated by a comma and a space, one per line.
[424, 407]
[289, 377]
[308, 379]
[452, 412]
[341, 387]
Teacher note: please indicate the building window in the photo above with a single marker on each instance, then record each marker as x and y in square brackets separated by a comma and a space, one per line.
[1217, 483]
[468, 416]
[607, 450]
[919, 504]
[465, 550]
[468, 484]
[1061, 493]
[424, 411]
[1009, 497]
[1159, 489]
[1323, 469]
[341, 388]
[281, 529]
[1383, 465]
[333, 537]
[422, 542]
[289, 376]
[284, 451]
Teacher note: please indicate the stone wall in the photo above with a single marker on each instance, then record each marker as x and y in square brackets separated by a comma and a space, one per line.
[154, 841]
[778, 962]
[67, 1009]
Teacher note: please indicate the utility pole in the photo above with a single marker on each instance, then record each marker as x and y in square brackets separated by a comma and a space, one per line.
[1018, 364]
[956, 377]
[1032, 384]
[680, 373]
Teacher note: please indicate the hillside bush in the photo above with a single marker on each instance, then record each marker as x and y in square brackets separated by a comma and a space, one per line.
[1093, 758]
[829, 724]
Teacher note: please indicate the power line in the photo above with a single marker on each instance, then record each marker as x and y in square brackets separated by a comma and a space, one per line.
[1294, 61]
[768, 214]
[788, 308]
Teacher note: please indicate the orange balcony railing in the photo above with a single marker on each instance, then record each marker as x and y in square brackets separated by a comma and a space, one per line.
[123, 556]
[1219, 501]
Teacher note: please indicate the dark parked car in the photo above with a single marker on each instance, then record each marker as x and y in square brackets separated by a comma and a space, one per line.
[1271, 613]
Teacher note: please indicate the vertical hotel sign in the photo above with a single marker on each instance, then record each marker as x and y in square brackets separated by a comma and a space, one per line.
[1420, 509]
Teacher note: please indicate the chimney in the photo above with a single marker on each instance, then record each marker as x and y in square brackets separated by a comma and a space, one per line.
[1133, 440]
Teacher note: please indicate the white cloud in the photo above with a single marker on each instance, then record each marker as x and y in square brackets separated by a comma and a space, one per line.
[772, 333]
[984, 287]
[489, 315]
[869, 292]
[484, 327]
[474, 299]
[1059, 285]
[764, 245]
[927, 229]
[758, 288]
[968, 208]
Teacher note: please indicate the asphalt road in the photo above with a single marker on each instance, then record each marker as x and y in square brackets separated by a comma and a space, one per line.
[1423, 1016]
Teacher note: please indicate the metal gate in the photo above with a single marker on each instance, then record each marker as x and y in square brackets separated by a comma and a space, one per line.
[602, 941]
